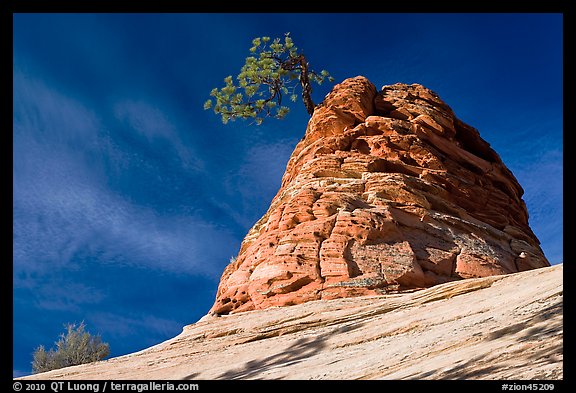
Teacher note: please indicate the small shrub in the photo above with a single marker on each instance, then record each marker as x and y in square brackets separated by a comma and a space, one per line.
[76, 346]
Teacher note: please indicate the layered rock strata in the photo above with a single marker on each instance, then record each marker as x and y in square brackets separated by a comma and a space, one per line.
[388, 191]
[506, 327]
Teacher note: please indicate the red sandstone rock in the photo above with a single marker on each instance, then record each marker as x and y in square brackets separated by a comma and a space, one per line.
[388, 191]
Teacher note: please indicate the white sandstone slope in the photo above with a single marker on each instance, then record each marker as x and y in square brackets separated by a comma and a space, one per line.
[501, 327]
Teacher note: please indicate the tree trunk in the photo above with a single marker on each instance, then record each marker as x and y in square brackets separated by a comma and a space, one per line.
[306, 88]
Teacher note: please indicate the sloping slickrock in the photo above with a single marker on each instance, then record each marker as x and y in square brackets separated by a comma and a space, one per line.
[507, 327]
[387, 191]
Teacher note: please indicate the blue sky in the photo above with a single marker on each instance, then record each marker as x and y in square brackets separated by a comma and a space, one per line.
[129, 199]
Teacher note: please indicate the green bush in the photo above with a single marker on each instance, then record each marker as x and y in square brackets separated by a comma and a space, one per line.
[74, 347]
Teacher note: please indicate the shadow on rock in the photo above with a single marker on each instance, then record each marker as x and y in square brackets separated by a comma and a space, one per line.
[301, 350]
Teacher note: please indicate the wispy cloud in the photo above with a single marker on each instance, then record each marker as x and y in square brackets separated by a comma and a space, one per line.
[123, 326]
[63, 206]
[532, 148]
[59, 294]
[257, 179]
[544, 199]
[152, 123]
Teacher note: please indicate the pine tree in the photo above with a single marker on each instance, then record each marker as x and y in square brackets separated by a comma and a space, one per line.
[274, 70]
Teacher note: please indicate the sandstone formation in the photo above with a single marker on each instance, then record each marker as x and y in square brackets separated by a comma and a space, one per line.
[507, 327]
[388, 191]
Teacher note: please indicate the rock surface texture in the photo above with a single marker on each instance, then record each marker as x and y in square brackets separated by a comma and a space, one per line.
[388, 191]
[507, 327]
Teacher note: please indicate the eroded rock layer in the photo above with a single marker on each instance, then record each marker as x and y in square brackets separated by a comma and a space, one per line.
[505, 328]
[388, 191]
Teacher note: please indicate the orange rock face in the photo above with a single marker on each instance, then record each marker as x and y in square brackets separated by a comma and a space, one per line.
[388, 191]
